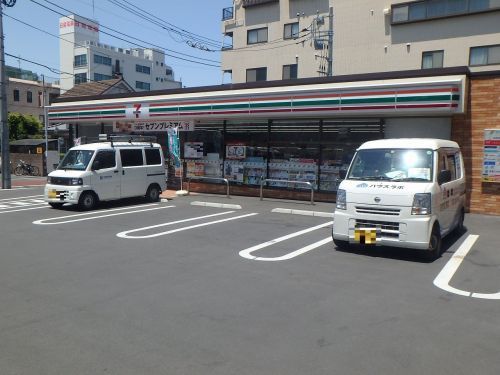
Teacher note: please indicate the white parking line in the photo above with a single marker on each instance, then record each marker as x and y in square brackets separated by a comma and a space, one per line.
[26, 209]
[48, 220]
[18, 198]
[443, 279]
[125, 234]
[247, 252]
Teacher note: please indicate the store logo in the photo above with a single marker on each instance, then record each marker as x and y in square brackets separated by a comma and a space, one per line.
[377, 199]
[137, 111]
[362, 185]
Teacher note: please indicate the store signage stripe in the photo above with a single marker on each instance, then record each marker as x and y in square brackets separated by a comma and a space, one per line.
[50, 110]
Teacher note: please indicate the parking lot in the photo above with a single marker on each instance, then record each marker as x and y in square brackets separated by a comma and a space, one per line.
[209, 285]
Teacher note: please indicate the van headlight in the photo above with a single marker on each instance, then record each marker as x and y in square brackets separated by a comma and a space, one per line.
[421, 204]
[49, 180]
[76, 181]
[341, 200]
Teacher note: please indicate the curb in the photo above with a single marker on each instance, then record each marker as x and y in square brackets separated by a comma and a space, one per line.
[302, 212]
[218, 205]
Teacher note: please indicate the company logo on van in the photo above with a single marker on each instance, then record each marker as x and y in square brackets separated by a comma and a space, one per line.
[362, 185]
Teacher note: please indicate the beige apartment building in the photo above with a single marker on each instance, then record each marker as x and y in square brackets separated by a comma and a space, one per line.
[267, 40]
[26, 97]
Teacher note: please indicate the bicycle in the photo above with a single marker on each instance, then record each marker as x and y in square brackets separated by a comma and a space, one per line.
[26, 169]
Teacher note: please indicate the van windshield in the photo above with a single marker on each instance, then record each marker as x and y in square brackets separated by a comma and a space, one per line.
[76, 160]
[392, 165]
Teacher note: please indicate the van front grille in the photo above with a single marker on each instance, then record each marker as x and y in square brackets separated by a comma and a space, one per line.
[60, 181]
[387, 228]
[377, 210]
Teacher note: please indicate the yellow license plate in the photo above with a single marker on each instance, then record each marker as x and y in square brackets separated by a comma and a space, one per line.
[367, 236]
[52, 194]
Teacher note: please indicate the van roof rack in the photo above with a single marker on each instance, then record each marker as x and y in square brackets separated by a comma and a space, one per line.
[127, 138]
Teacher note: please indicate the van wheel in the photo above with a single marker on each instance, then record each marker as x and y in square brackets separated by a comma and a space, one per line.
[88, 200]
[153, 193]
[56, 205]
[459, 229]
[435, 243]
[341, 245]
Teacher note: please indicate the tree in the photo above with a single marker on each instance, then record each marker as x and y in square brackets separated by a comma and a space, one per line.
[24, 126]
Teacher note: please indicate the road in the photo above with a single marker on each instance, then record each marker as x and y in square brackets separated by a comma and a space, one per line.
[231, 287]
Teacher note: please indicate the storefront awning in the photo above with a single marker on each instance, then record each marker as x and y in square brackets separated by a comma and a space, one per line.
[437, 96]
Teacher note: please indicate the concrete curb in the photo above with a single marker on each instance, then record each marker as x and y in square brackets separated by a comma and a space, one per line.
[218, 205]
[303, 212]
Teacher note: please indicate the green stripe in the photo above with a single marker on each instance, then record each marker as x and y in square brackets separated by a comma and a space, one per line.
[269, 105]
[427, 98]
[164, 109]
[316, 102]
[368, 100]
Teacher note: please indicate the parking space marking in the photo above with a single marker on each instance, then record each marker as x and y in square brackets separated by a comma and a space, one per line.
[442, 280]
[49, 221]
[247, 252]
[125, 234]
[17, 198]
[16, 204]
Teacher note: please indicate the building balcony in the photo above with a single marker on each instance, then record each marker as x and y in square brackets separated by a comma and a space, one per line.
[227, 13]
[251, 3]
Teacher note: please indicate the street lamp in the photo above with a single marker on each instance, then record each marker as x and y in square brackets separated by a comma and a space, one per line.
[6, 181]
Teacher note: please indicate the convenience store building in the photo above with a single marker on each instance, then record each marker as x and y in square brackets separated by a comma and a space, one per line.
[306, 129]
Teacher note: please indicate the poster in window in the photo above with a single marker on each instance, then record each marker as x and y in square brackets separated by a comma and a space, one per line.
[235, 151]
[193, 150]
[491, 156]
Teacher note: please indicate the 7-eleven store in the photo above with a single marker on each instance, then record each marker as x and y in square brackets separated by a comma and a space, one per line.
[301, 130]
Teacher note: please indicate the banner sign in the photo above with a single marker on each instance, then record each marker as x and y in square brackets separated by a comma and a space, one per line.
[491, 158]
[174, 147]
[152, 126]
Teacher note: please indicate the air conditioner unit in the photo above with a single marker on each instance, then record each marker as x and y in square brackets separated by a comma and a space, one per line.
[387, 11]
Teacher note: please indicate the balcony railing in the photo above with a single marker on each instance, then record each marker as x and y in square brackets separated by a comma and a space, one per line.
[227, 13]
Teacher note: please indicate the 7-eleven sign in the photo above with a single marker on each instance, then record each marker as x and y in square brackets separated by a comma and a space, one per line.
[137, 111]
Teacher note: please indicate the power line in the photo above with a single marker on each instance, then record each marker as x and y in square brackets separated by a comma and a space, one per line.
[129, 41]
[186, 35]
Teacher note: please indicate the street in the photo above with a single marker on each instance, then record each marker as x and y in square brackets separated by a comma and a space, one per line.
[210, 285]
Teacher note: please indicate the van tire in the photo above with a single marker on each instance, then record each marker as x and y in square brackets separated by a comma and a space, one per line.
[153, 193]
[341, 245]
[56, 205]
[88, 200]
[435, 243]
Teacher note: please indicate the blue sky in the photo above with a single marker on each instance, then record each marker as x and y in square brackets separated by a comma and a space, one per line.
[201, 17]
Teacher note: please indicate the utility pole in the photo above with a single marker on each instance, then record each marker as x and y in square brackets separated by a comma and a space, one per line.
[44, 104]
[6, 181]
[330, 43]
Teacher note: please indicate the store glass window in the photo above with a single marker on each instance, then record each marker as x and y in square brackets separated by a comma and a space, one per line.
[202, 150]
[246, 151]
[339, 141]
[294, 152]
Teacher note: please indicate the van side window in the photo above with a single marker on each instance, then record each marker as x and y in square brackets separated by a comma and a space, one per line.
[106, 159]
[152, 156]
[131, 157]
[452, 166]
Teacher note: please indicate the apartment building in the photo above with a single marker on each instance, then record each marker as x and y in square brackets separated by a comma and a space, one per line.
[26, 97]
[266, 40]
[84, 58]
[381, 36]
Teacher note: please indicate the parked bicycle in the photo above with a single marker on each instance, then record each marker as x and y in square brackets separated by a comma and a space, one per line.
[26, 169]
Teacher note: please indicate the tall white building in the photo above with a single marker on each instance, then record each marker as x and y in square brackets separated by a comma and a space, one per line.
[86, 59]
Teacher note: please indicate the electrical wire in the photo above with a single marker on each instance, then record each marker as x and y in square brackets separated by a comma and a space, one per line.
[129, 41]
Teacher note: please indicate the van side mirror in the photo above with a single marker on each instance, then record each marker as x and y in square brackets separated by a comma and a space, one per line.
[96, 165]
[342, 174]
[444, 176]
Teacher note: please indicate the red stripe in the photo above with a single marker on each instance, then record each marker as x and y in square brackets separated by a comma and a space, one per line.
[86, 109]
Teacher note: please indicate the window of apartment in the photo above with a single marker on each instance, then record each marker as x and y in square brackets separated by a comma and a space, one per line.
[16, 95]
[257, 36]
[291, 30]
[142, 69]
[256, 74]
[98, 59]
[142, 85]
[29, 96]
[169, 72]
[80, 60]
[290, 71]
[432, 59]
[80, 78]
[486, 55]
[101, 77]
[430, 9]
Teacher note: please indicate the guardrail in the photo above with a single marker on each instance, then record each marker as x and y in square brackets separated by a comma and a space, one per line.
[307, 183]
[209, 178]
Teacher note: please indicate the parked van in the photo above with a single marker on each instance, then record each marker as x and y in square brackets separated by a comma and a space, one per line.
[406, 193]
[105, 171]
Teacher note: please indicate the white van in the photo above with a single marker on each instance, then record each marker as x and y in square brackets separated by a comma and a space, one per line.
[407, 192]
[105, 171]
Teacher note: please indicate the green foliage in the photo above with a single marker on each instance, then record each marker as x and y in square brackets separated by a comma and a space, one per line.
[24, 126]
